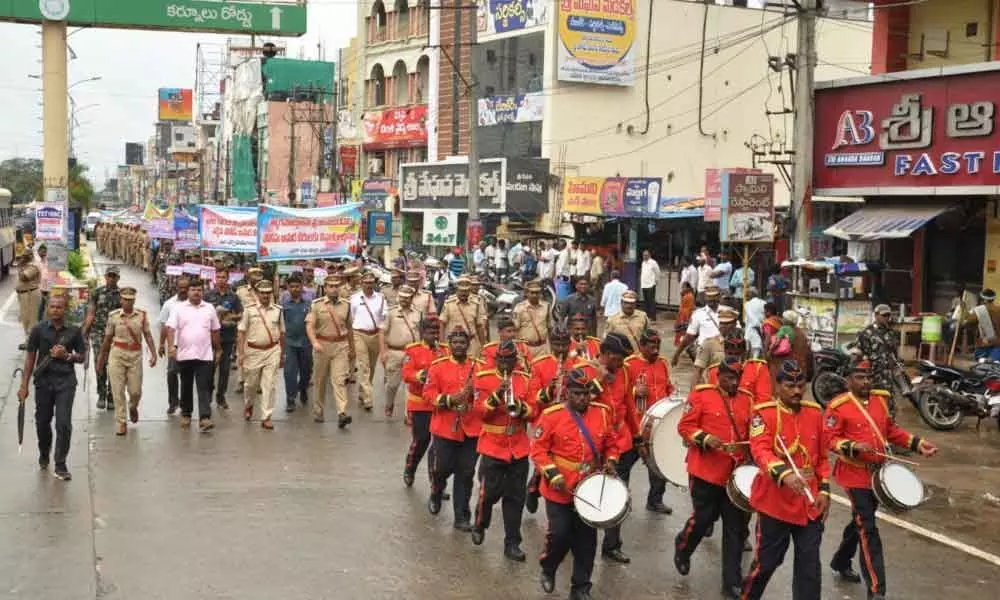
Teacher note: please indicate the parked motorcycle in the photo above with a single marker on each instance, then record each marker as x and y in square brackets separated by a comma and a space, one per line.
[945, 395]
[830, 367]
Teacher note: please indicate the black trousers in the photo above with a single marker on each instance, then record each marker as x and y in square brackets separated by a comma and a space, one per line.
[863, 529]
[459, 459]
[657, 486]
[420, 440]
[54, 398]
[103, 384]
[173, 383]
[222, 369]
[773, 537]
[649, 302]
[504, 481]
[710, 502]
[567, 532]
[196, 374]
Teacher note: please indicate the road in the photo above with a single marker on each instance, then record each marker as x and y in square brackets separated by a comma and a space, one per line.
[309, 511]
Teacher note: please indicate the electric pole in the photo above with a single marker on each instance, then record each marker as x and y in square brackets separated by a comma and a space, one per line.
[473, 223]
[291, 153]
[805, 71]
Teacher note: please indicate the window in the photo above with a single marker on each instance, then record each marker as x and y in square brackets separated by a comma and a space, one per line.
[402, 10]
[400, 84]
[377, 86]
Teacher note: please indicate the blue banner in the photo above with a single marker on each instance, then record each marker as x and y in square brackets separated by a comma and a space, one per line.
[185, 231]
[379, 228]
[297, 233]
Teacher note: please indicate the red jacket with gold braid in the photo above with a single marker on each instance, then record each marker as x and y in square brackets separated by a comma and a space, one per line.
[545, 377]
[523, 355]
[446, 379]
[616, 392]
[706, 416]
[417, 359]
[756, 379]
[503, 437]
[655, 374]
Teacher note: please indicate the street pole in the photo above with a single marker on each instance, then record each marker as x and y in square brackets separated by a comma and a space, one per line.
[291, 153]
[55, 91]
[474, 226]
[805, 71]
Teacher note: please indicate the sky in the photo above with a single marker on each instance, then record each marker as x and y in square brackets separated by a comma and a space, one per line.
[132, 65]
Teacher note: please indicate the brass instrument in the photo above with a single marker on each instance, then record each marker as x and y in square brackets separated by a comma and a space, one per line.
[466, 392]
[508, 396]
[641, 398]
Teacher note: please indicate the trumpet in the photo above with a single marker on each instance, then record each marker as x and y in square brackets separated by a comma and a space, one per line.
[464, 406]
[555, 391]
[508, 396]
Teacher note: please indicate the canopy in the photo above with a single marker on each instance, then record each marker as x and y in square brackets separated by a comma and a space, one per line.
[871, 223]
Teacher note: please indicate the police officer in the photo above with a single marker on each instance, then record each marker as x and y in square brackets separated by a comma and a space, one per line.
[245, 292]
[400, 329]
[103, 300]
[630, 322]
[423, 302]
[391, 293]
[461, 312]
[418, 358]
[29, 295]
[261, 351]
[859, 429]
[502, 397]
[531, 318]
[328, 326]
[121, 354]
[712, 350]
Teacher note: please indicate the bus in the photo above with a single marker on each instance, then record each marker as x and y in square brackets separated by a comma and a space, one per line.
[7, 232]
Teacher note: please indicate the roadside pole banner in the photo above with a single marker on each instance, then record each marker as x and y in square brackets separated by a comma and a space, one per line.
[293, 233]
[228, 228]
[185, 231]
[50, 221]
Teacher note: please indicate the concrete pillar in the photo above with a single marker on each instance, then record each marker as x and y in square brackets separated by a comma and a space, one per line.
[55, 112]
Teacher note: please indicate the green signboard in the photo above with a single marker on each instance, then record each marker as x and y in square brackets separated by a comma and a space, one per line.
[210, 16]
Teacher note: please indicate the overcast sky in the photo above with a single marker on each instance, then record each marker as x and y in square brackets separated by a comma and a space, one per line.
[133, 65]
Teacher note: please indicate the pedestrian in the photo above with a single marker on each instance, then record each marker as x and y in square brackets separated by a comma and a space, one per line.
[744, 273]
[531, 317]
[173, 373]
[193, 334]
[704, 324]
[722, 272]
[754, 320]
[120, 356]
[503, 400]
[547, 262]
[298, 351]
[42, 261]
[629, 322]
[230, 309]
[502, 260]
[479, 257]
[584, 260]
[455, 263]
[704, 277]
[689, 274]
[60, 347]
[400, 262]
[261, 351]
[986, 318]
[684, 312]
[611, 296]
[368, 313]
[648, 277]
[102, 301]
[328, 326]
[581, 303]
[29, 295]
[400, 329]
[419, 356]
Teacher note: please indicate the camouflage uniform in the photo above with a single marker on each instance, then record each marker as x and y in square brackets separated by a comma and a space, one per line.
[166, 286]
[103, 301]
[881, 346]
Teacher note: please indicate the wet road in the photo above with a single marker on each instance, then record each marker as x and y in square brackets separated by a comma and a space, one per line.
[308, 511]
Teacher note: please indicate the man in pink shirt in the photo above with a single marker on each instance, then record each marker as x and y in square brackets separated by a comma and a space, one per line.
[193, 338]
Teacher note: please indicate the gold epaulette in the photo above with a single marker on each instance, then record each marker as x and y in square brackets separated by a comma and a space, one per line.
[114, 312]
[412, 345]
[745, 391]
[542, 357]
[487, 372]
[713, 366]
[491, 344]
[598, 340]
[763, 405]
[318, 300]
[705, 386]
[885, 393]
[554, 408]
[437, 360]
[811, 404]
[756, 360]
[601, 405]
[839, 400]
[633, 357]
[519, 372]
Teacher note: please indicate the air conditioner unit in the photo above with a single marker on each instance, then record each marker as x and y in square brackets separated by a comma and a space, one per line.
[375, 166]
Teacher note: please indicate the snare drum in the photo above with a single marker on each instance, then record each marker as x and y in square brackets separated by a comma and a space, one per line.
[667, 453]
[739, 485]
[897, 487]
[602, 500]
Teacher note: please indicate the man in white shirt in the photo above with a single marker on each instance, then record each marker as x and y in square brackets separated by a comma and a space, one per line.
[583, 259]
[563, 261]
[368, 312]
[704, 276]
[501, 259]
[479, 257]
[754, 322]
[722, 271]
[611, 299]
[689, 273]
[546, 261]
[704, 323]
[648, 276]
[491, 257]
[173, 374]
[515, 256]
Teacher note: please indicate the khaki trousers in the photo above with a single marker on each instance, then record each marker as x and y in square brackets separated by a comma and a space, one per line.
[393, 375]
[261, 371]
[366, 345]
[125, 375]
[28, 303]
[332, 364]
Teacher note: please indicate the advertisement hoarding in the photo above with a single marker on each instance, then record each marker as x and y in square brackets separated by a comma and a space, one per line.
[596, 42]
[502, 16]
[612, 196]
[379, 228]
[374, 193]
[747, 208]
[511, 108]
[176, 104]
[395, 128]
[50, 222]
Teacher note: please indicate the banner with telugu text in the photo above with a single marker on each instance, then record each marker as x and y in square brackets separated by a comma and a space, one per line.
[228, 228]
[298, 233]
[159, 223]
[185, 231]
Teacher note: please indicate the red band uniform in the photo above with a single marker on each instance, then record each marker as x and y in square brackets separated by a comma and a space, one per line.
[756, 379]
[652, 373]
[417, 360]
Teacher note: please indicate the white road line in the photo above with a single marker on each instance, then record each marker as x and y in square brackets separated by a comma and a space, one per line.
[6, 308]
[927, 533]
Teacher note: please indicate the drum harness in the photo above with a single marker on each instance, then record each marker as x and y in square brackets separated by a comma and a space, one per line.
[593, 449]
[736, 430]
[886, 448]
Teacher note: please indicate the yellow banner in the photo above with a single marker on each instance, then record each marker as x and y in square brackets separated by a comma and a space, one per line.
[151, 212]
[582, 195]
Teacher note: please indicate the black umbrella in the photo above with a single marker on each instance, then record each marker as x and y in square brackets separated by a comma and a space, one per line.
[20, 411]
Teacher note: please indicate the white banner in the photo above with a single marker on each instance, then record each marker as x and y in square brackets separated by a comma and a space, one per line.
[50, 221]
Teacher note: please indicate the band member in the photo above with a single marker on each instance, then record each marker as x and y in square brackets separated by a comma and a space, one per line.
[399, 330]
[548, 385]
[792, 493]
[261, 352]
[581, 346]
[650, 377]
[462, 312]
[756, 377]
[715, 426]
[532, 317]
[506, 408]
[121, 353]
[572, 439]
[328, 326]
[630, 322]
[417, 360]
[455, 427]
[507, 331]
[860, 430]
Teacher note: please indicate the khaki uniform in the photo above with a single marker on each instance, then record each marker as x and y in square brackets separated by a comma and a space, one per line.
[331, 322]
[29, 295]
[631, 326]
[423, 303]
[710, 351]
[264, 328]
[401, 328]
[469, 315]
[125, 358]
[247, 298]
[532, 324]
[391, 296]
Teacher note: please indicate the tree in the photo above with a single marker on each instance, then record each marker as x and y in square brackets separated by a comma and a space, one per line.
[80, 189]
[23, 177]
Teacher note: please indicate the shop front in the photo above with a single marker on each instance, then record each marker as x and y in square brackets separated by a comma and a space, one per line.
[922, 150]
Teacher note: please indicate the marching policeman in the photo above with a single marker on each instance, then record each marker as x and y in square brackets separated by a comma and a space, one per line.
[455, 427]
[400, 329]
[572, 439]
[423, 302]
[792, 493]
[121, 356]
[261, 349]
[103, 300]
[462, 312]
[715, 426]
[630, 322]
[531, 317]
[506, 330]
[417, 360]
[503, 401]
[860, 430]
[328, 326]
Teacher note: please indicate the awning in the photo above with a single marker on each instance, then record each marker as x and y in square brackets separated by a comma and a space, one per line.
[872, 223]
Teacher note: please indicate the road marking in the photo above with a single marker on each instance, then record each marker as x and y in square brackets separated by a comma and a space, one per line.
[927, 533]
[6, 308]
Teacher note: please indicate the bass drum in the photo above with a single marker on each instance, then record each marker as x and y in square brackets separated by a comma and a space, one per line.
[602, 500]
[667, 451]
[897, 487]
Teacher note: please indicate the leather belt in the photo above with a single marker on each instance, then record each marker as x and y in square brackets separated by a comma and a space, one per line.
[262, 346]
[535, 344]
[366, 331]
[128, 346]
[512, 429]
[396, 347]
[26, 291]
[330, 338]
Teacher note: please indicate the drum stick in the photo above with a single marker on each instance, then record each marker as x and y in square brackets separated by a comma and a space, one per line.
[897, 459]
[795, 469]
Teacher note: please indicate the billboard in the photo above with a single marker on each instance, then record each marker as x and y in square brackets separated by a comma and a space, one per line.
[501, 16]
[445, 186]
[612, 196]
[395, 128]
[176, 104]
[747, 208]
[596, 42]
[511, 108]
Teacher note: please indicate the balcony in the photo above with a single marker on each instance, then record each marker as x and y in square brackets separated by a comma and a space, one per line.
[402, 24]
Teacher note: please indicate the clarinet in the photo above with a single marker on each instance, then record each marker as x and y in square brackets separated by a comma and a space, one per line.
[459, 409]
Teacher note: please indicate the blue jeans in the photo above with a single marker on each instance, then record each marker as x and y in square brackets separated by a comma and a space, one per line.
[991, 353]
[298, 371]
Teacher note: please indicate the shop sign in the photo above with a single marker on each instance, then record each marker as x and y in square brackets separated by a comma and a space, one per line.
[501, 16]
[914, 134]
[819, 320]
[445, 186]
[440, 228]
[747, 208]
[374, 193]
[527, 183]
[379, 228]
[713, 191]
[612, 196]
[348, 159]
[395, 128]
[597, 41]
[511, 108]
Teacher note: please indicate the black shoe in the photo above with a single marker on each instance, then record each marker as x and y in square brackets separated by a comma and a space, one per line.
[580, 595]
[548, 582]
[445, 496]
[303, 398]
[617, 556]
[22, 346]
[531, 502]
[710, 531]
[101, 402]
[43, 463]
[659, 507]
[683, 564]
[221, 403]
[344, 421]
[171, 409]
[734, 592]
[368, 407]
[434, 505]
[111, 405]
[463, 526]
[849, 575]
[514, 553]
[290, 406]
[62, 473]
[408, 479]
[478, 535]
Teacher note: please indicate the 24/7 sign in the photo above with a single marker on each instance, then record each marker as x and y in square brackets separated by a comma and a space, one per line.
[211, 16]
